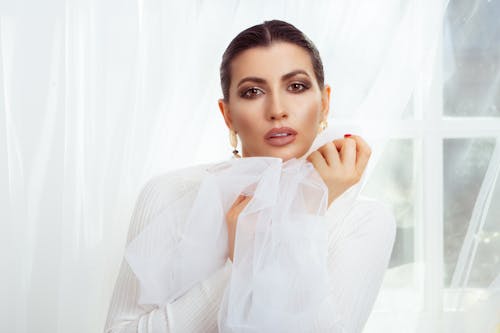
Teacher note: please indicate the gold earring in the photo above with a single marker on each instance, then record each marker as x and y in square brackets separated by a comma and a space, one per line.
[233, 140]
[323, 125]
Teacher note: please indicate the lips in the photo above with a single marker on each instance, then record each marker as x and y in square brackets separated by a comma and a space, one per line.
[280, 136]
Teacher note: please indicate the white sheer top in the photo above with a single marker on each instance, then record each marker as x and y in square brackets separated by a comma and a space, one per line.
[299, 266]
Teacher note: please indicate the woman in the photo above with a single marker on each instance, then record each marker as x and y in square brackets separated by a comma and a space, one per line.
[299, 250]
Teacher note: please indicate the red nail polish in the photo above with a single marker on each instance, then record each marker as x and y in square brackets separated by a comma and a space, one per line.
[347, 135]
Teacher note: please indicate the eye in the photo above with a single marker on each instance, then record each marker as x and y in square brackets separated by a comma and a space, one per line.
[298, 86]
[250, 93]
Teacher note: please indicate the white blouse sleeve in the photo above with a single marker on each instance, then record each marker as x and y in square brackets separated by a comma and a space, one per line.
[195, 311]
[360, 247]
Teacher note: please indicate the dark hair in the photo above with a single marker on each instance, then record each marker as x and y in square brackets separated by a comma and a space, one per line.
[264, 35]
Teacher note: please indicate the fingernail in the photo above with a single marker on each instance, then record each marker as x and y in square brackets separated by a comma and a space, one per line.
[347, 135]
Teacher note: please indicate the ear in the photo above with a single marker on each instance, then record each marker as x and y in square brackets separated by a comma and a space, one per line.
[325, 102]
[224, 110]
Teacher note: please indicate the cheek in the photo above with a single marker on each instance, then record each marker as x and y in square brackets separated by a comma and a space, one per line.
[310, 114]
[246, 120]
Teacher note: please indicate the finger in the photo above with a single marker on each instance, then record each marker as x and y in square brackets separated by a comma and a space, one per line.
[363, 153]
[242, 204]
[338, 144]
[330, 154]
[238, 200]
[317, 160]
[348, 153]
[361, 144]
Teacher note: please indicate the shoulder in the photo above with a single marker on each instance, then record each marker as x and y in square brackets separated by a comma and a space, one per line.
[372, 207]
[161, 190]
[371, 214]
[369, 223]
[174, 182]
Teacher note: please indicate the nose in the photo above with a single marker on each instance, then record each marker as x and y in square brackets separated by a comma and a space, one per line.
[276, 109]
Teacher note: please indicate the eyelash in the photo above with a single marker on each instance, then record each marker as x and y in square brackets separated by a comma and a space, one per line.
[304, 88]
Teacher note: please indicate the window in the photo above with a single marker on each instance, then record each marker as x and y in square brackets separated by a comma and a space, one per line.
[439, 172]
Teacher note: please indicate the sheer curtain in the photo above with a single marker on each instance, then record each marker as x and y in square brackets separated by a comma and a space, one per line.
[96, 97]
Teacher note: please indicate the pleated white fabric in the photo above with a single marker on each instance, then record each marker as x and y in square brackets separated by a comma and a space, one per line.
[283, 278]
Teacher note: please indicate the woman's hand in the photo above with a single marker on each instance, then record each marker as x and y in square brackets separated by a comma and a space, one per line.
[232, 219]
[341, 163]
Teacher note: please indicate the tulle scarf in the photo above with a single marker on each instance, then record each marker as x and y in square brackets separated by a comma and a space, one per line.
[279, 277]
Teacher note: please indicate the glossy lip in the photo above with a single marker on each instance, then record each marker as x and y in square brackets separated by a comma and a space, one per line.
[281, 140]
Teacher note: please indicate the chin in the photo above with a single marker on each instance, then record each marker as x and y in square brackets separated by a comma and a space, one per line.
[286, 157]
[287, 154]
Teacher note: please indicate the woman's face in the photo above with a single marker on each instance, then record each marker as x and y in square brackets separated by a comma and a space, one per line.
[275, 104]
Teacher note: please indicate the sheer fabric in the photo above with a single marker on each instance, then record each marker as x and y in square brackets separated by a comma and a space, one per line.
[279, 277]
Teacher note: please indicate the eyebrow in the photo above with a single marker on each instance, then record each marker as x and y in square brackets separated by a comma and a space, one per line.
[283, 78]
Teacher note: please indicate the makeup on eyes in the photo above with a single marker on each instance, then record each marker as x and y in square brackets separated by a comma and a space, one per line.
[305, 86]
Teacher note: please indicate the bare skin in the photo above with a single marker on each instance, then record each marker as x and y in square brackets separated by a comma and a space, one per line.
[278, 100]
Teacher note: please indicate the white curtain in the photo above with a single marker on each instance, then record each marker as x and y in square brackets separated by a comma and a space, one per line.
[96, 97]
